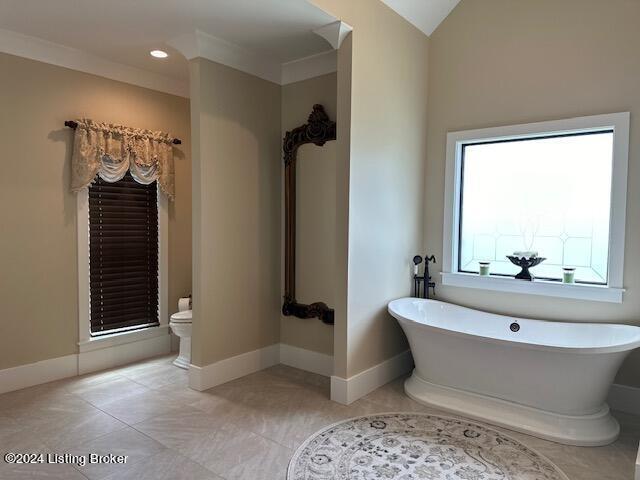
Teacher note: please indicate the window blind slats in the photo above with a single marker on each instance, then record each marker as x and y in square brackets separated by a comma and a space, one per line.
[123, 254]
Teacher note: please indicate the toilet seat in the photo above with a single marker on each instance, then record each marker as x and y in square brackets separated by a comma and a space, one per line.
[182, 317]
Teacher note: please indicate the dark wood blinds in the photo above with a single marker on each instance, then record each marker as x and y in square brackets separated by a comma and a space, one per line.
[123, 255]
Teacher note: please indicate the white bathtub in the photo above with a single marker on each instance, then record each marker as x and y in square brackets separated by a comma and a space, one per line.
[549, 379]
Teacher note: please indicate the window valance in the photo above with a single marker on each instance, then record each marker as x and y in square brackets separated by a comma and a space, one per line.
[111, 150]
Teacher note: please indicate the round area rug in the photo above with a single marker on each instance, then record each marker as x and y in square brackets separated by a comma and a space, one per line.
[413, 446]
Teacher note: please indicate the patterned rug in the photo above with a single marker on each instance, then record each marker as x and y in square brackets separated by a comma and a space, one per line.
[413, 446]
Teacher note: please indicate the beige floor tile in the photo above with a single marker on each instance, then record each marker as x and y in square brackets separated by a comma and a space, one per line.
[615, 460]
[24, 441]
[58, 409]
[262, 389]
[235, 453]
[176, 428]
[21, 441]
[166, 465]
[138, 407]
[109, 390]
[40, 471]
[179, 394]
[392, 395]
[157, 375]
[38, 404]
[244, 429]
[32, 396]
[289, 423]
[295, 374]
[73, 384]
[76, 429]
[274, 406]
[145, 364]
[135, 445]
[228, 412]
[8, 426]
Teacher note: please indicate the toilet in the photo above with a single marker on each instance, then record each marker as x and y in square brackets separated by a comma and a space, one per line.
[180, 324]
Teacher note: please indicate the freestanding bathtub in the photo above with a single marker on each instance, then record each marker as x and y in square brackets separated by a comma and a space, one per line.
[548, 379]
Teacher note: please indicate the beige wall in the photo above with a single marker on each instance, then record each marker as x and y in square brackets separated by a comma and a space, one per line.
[387, 153]
[38, 244]
[501, 62]
[236, 211]
[315, 214]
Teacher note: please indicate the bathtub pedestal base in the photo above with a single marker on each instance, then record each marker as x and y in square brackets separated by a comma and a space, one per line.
[596, 429]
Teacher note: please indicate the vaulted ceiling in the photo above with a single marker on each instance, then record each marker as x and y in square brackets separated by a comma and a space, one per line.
[424, 14]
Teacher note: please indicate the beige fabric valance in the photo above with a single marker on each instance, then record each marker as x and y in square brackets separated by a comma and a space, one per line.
[110, 150]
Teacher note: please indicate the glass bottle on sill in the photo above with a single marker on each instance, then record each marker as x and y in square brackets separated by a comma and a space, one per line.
[568, 274]
[484, 268]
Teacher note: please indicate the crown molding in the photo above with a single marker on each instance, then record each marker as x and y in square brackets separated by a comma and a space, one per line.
[334, 33]
[34, 48]
[192, 45]
[309, 67]
[200, 44]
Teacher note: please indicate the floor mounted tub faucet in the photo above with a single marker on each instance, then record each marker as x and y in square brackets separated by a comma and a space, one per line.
[428, 284]
[425, 280]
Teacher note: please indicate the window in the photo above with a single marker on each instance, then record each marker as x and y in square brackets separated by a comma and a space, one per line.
[123, 256]
[546, 194]
[555, 188]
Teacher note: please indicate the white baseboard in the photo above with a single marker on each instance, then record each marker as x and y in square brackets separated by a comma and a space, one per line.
[348, 390]
[115, 355]
[45, 371]
[24, 376]
[313, 362]
[203, 378]
[200, 378]
[624, 398]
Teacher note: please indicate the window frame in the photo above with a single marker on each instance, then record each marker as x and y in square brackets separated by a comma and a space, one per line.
[86, 341]
[613, 291]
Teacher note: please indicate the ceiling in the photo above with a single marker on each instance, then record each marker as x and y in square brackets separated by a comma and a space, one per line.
[273, 39]
[424, 14]
[124, 31]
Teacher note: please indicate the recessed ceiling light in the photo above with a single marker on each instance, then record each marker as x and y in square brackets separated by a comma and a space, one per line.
[159, 53]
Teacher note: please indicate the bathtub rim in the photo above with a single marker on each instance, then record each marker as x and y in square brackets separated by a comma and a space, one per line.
[618, 348]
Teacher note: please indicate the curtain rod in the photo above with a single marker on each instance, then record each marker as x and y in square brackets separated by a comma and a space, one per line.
[74, 125]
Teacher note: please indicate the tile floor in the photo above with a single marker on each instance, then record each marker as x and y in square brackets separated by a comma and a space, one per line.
[244, 430]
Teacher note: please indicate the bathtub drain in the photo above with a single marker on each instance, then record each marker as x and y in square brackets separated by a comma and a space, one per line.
[514, 327]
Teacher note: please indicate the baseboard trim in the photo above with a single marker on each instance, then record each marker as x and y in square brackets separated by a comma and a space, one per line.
[200, 378]
[203, 378]
[308, 360]
[624, 398]
[348, 390]
[24, 376]
[116, 355]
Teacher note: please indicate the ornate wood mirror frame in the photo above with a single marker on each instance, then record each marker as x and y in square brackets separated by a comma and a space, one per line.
[318, 130]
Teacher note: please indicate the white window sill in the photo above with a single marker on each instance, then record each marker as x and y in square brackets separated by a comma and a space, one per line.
[537, 287]
[106, 341]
